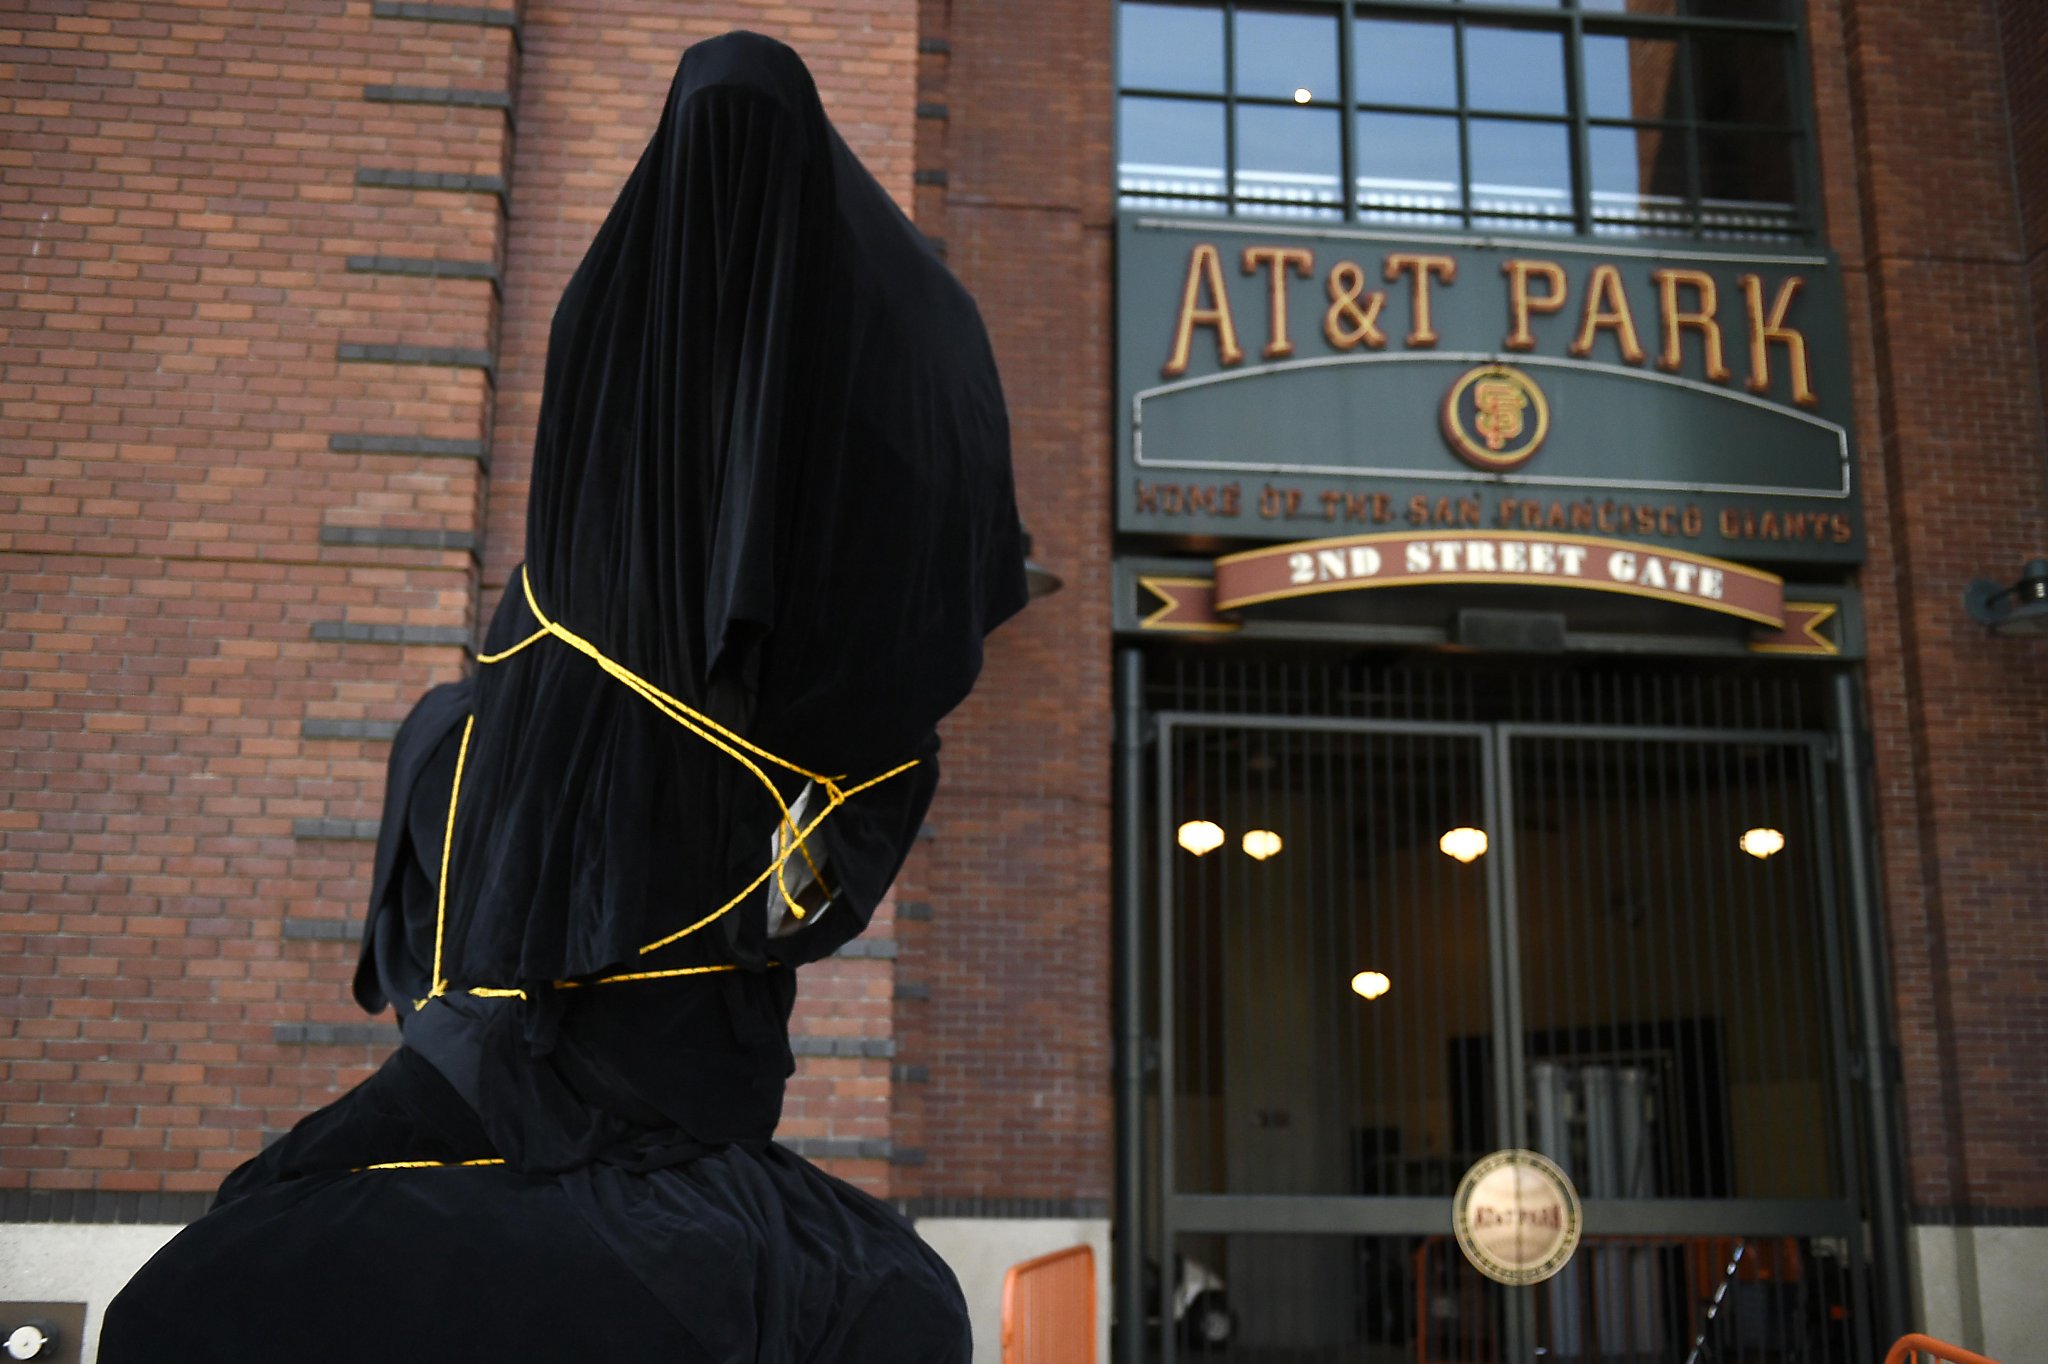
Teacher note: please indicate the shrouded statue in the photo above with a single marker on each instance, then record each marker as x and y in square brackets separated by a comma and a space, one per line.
[771, 522]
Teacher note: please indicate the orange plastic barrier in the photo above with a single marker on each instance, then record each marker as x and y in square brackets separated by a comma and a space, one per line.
[1910, 1347]
[1049, 1309]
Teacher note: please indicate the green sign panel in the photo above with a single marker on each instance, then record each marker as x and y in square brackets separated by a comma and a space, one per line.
[1276, 383]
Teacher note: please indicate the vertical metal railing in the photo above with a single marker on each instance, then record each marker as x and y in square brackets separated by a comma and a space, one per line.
[1613, 981]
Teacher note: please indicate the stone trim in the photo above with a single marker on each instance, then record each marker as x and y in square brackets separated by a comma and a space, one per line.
[101, 1205]
[347, 632]
[382, 177]
[340, 830]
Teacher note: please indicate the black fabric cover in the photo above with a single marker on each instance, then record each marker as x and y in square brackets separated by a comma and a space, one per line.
[771, 477]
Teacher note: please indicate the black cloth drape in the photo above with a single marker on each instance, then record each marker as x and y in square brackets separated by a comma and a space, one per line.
[771, 477]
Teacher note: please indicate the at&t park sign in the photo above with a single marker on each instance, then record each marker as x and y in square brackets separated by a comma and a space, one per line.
[1289, 385]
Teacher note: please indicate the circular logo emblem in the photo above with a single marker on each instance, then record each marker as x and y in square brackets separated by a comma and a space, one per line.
[1494, 417]
[1517, 1217]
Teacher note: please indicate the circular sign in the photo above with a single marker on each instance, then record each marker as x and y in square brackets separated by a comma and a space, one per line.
[1517, 1217]
[1494, 417]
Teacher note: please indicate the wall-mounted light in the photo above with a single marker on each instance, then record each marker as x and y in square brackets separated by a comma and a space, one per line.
[2021, 609]
[1370, 984]
[1465, 844]
[1302, 96]
[1761, 843]
[1262, 844]
[1200, 836]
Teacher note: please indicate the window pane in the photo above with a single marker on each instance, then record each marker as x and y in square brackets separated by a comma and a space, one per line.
[1514, 70]
[1739, 78]
[1169, 146]
[1403, 63]
[1170, 47]
[1407, 166]
[1281, 53]
[1748, 182]
[1638, 176]
[1521, 167]
[1632, 77]
[1290, 156]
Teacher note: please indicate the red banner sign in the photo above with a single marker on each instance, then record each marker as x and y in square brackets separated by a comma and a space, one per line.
[1407, 559]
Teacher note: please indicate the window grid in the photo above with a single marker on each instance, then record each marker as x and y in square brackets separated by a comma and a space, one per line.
[1696, 214]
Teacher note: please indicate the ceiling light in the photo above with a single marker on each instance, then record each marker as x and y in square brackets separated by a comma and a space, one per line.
[1200, 836]
[1370, 984]
[1761, 843]
[1464, 843]
[1261, 843]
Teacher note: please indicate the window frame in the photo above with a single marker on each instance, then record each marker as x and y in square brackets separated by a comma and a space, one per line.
[1804, 224]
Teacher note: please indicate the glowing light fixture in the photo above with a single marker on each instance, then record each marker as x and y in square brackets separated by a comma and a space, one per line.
[1262, 844]
[1370, 984]
[1761, 843]
[1302, 96]
[1464, 843]
[1200, 836]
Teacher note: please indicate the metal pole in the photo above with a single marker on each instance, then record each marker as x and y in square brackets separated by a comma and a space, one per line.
[1873, 976]
[1129, 1260]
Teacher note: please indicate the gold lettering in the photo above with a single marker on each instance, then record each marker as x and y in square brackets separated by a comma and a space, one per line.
[1521, 303]
[1419, 268]
[1764, 330]
[1669, 282]
[1277, 259]
[1607, 306]
[1205, 268]
[1347, 324]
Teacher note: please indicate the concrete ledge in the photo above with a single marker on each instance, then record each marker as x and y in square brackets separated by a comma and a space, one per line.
[981, 1250]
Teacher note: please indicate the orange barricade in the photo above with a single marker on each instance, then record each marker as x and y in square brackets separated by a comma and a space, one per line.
[1911, 1347]
[1049, 1309]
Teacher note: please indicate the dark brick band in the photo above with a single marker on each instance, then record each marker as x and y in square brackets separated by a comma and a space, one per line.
[347, 632]
[348, 729]
[395, 537]
[339, 830]
[880, 1047]
[379, 177]
[424, 266]
[482, 15]
[449, 96]
[408, 445]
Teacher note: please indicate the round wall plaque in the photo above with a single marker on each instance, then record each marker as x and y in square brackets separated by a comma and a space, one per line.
[1517, 1217]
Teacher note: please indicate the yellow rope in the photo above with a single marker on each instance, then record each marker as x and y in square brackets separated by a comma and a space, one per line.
[735, 746]
[428, 1164]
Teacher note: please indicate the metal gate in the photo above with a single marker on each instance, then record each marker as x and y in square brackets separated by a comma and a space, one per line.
[1390, 936]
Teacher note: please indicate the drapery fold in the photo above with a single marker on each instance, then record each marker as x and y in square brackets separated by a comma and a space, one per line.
[771, 476]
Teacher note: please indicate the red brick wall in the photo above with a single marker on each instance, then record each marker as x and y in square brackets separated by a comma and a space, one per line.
[1952, 442]
[1016, 1033]
[180, 209]
[194, 546]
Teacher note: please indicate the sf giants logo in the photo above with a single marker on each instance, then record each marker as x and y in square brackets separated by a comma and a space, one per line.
[1494, 417]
